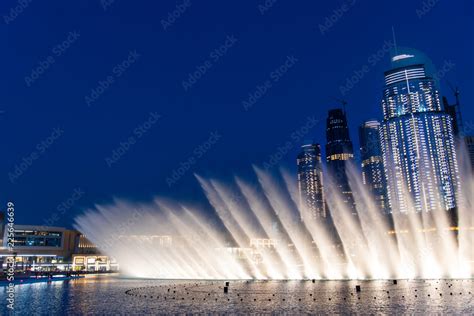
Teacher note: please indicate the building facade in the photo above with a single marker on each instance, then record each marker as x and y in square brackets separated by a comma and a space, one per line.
[310, 182]
[470, 149]
[48, 248]
[417, 138]
[41, 247]
[373, 175]
[453, 111]
[339, 153]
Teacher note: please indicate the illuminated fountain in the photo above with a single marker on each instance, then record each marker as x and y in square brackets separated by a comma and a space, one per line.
[257, 231]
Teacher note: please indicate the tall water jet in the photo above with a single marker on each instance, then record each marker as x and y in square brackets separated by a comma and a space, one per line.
[257, 230]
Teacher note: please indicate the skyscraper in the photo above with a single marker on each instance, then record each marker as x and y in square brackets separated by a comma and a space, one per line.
[310, 181]
[417, 138]
[455, 113]
[470, 148]
[373, 175]
[339, 151]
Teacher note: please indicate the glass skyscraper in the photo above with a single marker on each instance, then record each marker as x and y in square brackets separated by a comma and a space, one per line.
[373, 175]
[417, 140]
[339, 151]
[310, 182]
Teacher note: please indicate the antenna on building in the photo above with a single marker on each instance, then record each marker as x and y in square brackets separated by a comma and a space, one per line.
[394, 41]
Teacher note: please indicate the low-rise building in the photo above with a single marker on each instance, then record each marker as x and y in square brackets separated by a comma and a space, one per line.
[48, 248]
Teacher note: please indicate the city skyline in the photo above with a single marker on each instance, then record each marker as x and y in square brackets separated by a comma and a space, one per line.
[146, 133]
[236, 157]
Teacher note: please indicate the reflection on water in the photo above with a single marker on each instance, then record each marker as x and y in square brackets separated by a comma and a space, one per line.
[111, 295]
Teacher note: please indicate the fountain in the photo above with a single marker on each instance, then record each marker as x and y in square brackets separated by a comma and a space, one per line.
[257, 230]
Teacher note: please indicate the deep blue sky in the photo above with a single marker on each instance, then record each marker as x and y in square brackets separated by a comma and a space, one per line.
[153, 83]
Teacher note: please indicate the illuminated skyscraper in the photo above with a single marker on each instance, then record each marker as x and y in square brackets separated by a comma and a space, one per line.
[339, 152]
[417, 138]
[310, 182]
[373, 175]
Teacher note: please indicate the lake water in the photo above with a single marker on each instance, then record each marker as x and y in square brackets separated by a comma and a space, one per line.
[112, 295]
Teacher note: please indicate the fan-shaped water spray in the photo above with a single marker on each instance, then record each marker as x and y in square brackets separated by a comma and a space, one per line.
[257, 230]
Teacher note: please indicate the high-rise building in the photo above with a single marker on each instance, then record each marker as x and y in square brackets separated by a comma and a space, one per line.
[339, 152]
[470, 148]
[373, 175]
[455, 113]
[310, 182]
[417, 138]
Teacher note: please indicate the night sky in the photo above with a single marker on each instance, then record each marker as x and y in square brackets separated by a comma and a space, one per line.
[110, 99]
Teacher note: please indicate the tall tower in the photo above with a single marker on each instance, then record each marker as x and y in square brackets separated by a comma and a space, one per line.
[339, 151]
[470, 149]
[373, 175]
[310, 182]
[417, 138]
[454, 110]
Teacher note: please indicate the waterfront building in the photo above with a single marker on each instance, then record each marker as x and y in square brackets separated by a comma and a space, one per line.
[87, 257]
[417, 138]
[373, 175]
[310, 182]
[339, 153]
[48, 248]
[40, 247]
